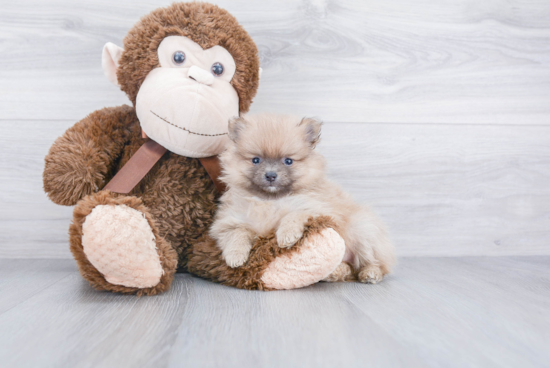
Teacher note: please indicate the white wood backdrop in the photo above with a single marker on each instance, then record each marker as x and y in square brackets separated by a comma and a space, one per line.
[438, 112]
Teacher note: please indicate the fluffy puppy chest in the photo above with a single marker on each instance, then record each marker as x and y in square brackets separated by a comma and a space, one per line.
[264, 215]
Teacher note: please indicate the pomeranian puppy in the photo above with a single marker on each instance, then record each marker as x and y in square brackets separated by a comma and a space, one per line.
[277, 181]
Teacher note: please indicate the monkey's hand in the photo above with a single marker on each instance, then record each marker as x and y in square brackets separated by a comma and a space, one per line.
[79, 162]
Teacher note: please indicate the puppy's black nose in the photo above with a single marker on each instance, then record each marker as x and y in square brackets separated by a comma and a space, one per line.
[270, 176]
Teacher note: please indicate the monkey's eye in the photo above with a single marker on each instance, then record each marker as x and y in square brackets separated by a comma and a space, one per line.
[217, 69]
[288, 161]
[178, 57]
[256, 160]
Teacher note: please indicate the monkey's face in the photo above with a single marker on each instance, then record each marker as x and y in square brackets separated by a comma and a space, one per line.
[186, 103]
[187, 68]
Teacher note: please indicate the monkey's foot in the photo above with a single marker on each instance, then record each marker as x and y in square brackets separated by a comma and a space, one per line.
[119, 242]
[319, 255]
[118, 248]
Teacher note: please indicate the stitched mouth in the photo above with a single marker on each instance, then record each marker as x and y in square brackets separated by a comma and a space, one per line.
[187, 130]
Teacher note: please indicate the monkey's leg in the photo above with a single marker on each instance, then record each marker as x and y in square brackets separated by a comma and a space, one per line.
[314, 257]
[117, 246]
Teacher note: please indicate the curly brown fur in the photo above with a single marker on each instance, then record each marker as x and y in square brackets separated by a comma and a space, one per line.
[205, 259]
[205, 24]
[80, 161]
[180, 195]
[167, 255]
[177, 194]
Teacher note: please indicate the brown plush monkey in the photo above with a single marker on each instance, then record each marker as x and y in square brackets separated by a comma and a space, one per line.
[187, 69]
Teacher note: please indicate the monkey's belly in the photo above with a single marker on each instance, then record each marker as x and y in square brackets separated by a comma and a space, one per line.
[182, 199]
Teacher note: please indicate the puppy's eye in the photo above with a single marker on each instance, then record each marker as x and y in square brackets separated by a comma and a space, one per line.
[288, 161]
[256, 160]
[217, 69]
[178, 57]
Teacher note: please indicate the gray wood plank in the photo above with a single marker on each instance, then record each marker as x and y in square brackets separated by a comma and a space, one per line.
[449, 189]
[452, 312]
[443, 189]
[353, 61]
[30, 225]
[71, 325]
[479, 292]
[313, 327]
[22, 279]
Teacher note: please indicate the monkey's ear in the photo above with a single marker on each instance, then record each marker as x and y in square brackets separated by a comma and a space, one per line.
[312, 130]
[109, 61]
[235, 128]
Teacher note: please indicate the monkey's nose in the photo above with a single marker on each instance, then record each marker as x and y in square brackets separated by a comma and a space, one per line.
[270, 176]
[200, 75]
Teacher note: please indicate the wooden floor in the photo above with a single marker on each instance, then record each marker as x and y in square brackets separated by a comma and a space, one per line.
[434, 312]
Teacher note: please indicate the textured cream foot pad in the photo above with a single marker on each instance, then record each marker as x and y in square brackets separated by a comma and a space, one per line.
[119, 242]
[317, 258]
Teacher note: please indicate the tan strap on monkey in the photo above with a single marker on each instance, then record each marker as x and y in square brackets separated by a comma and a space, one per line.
[214, 169]
[143, 161]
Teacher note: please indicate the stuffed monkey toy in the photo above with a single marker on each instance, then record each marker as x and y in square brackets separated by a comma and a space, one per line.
[144, 178]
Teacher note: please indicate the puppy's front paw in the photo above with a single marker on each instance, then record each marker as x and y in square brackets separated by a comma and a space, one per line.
[370, 274]
[288, 234]
[235, 257]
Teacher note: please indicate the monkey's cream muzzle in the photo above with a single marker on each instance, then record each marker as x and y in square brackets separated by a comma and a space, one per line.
[200, 75]
[184, 115]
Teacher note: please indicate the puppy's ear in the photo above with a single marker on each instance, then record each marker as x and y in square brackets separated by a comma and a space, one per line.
[312, 129]
[235, 128]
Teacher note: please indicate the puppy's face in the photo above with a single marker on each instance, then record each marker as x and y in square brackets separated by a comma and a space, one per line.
[272, 155]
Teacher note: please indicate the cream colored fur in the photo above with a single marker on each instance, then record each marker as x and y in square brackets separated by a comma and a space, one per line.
[341, 273]
[317, 259]
[119, 242]
[307, 192]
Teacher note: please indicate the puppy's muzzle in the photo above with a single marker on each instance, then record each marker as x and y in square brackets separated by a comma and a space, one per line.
[270, 176]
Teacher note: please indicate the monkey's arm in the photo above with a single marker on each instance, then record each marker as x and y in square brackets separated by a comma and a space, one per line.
[81, 160]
